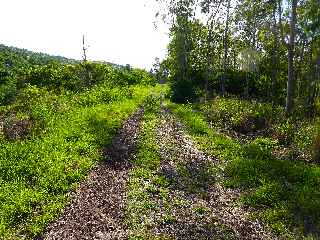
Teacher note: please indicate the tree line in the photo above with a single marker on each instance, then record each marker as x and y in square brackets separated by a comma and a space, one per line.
[268, 50]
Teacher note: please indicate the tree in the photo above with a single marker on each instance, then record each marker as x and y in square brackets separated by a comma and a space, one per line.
[180, 14]
[84, 49]
[291, 45]
[250, 48]
[85, 64]
[225, 44]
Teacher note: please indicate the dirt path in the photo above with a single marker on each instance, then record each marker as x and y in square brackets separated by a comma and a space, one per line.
[199, 207]
[96, 207]
[206, 209]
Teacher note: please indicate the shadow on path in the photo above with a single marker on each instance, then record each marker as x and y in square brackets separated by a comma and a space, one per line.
[95, 211]
[201, 208]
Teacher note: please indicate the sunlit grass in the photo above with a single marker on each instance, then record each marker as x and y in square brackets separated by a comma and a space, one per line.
[285, 192]
[38, 171]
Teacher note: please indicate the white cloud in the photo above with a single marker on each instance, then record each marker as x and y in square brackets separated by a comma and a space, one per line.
[119, 31]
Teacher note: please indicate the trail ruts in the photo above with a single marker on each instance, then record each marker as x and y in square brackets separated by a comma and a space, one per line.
[207, 210]
[95, 211]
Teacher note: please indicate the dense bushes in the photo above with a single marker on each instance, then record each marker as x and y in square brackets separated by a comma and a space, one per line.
[237, 82]
[8, 86]
[93, 83]
[77, 77]
[252, 119]
[233, 112]
[183, 92]
[68, 77]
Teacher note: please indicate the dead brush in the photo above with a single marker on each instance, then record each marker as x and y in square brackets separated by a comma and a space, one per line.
[1, 125]
[250, 124]
[14, 129]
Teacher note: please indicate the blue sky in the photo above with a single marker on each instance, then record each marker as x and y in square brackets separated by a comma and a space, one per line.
[119, 31]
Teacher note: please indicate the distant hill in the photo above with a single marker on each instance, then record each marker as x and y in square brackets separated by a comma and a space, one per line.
[12, 57]
[111, 64]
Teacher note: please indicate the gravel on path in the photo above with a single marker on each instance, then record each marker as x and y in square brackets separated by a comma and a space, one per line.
[208, 210]
[96, 208]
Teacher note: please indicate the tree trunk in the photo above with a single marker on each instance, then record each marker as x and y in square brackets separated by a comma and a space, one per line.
[209, 39]
[84, 49]
[275, 57]
[280, 11]
[299, 75]
[310, 78]
[291, 80]
[225, 59]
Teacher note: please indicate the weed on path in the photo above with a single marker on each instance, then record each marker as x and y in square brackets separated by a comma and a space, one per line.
[95, 211]
[174, 189]
[205, 209]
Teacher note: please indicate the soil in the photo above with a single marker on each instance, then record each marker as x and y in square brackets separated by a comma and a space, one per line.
[209, 211]
[95, 211]
[206, 209]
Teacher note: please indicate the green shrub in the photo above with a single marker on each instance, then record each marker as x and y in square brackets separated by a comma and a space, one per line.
[69, 129]
[76, 77]
[285, 131]
[8, 87]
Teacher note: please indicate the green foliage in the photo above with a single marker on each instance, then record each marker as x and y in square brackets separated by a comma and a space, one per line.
[143, 181]
[36, 173]
[16, 58]
[183, 92]
[285, 193]
[70, 116]
[315, 142]
[78, 77]
[247, 51]
[21, 68]
[238, 116]
[8, 87]
[234, 113]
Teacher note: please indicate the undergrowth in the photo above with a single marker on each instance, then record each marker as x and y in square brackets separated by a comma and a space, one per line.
[285, 193]
[242, 118]
[37, 171]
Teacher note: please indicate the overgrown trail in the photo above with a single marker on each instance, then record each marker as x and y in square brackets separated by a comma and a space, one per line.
[96, 211]
[187, 200]
[205, 209]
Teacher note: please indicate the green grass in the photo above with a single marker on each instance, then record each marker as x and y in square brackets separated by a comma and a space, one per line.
[69, 130]
[148, 189]
[143, 179]
[285, 193]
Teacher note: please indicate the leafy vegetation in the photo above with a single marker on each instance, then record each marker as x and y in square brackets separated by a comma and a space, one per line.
[249, 120]
[247, 48]
[53, 126]
[247, 75]
[285, 192]
[244, 79]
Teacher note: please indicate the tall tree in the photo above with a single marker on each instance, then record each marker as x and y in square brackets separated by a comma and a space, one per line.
[275, 50]
[210, 8]
[225, 45]
[291, 47]
[181, 13]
